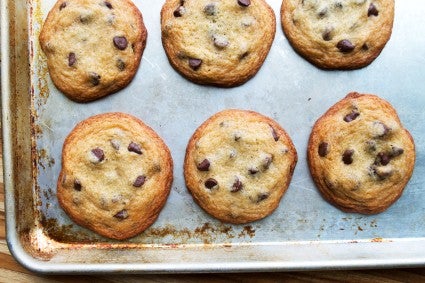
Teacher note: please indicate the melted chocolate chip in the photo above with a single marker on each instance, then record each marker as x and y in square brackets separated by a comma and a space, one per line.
[195, 63]
[274, 134]
[262, 196]
[372, 11]
[121, 215]
[396, 151]
[134, 147]
[244, 3]
[323, 13]
[98, 152]
[115, 144]
[107, 4]
[243, 55]
[180, 11]
[120, 64]
[210, 9]
[383, 158]
[351, 116]
[347, 157]
[94, 78]
[204, 165]
[345, 46]
[211, 183]
[327, 34]
[71, 59]
[237, 186]
[253, 171]
[140, 180]
[120, 42]
[63, 5]
[365, 47]
[267, 162]
[323, 149]
[77, 185]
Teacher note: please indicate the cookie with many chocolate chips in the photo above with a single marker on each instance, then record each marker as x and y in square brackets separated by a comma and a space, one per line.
[222, 43]
[360, 155]
[116, 175]
[238, 165]
[335, 34]
[93, 47]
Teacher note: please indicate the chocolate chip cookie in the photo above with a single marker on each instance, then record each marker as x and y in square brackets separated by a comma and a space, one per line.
[116, 175]
[335, 34]
[360, 155]
[93, 47]
[222, 43]
[238, 165]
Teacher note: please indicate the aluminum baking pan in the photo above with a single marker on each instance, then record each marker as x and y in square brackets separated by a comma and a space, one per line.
[304, 233]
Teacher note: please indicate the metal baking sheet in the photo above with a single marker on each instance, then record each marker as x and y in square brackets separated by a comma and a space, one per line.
[304, 233]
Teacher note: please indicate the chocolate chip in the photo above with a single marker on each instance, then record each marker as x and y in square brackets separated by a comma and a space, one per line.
[99, 154]
[323, 149]
[262, 196]
[345, 46]
[107, 4]
[77, 185]
[244, 3]
[120, 64]
[365, 47]
[115, 144]
[237, 136]
[180, 11]
[237, 186]
[195, 63]
[327, 34]
[274, 134]
[347, 157]
[71, 59]
[121, 215]
[94, 78]
[120, 42]
[211, 183]
[204, 165]
[134, 147]
[63, 5]
[140, 180]
[253, 171]
[352, 116]
[210, 9]
[383, 158]
[372, 11]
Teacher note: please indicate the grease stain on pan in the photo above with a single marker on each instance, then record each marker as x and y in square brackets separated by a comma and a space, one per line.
[207, 234]
[38, 59]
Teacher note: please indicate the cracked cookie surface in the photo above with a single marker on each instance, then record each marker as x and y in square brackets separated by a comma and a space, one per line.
[222, 43]
[116, 175]
[238, 165]
[335, 34]
[93, 47]
[360, 155]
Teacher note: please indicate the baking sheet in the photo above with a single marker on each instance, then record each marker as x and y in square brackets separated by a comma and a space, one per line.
[305, 232]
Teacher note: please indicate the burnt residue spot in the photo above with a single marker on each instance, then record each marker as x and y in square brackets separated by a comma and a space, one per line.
[65, 233]
[247, 231]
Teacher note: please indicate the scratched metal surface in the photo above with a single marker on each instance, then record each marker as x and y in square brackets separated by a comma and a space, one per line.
[288, 89]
